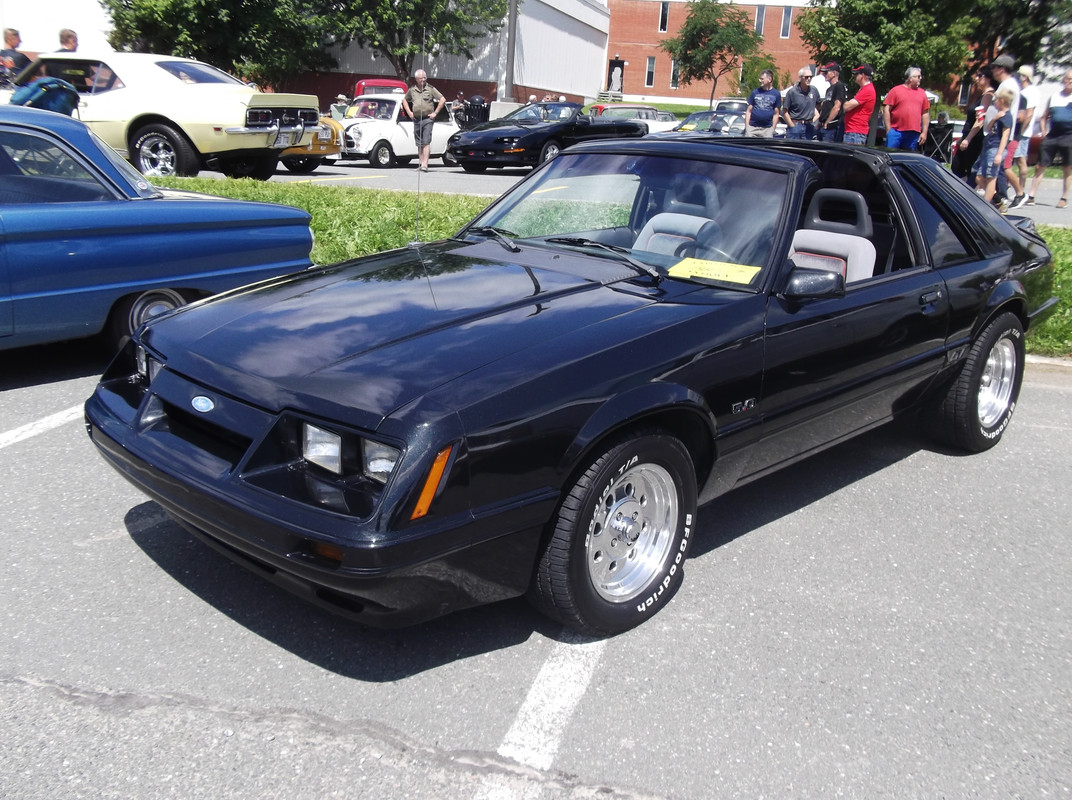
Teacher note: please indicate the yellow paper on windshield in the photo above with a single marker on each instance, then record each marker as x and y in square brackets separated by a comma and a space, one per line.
[714, 270]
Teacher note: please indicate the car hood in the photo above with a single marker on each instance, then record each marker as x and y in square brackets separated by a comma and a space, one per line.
[359, 340]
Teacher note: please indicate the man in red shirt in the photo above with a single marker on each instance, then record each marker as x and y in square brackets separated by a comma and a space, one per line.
[858, 110]
[906, 111]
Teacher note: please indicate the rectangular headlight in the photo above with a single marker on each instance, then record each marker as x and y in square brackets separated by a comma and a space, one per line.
[379, 460]
[147, 367]
[322, 447]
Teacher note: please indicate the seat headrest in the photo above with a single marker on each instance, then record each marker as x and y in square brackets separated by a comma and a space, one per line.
[829, 207]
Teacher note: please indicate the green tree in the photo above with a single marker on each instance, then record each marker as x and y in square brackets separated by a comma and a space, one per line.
[404, 30]
[1031, 30]
[266, 41]
[714, 40]
[891, 36]
[752, 69]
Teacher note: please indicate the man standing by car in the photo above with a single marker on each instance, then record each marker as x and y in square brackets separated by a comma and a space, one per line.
[858, 110]
[14, 61]
[763, 105]
[830, 114]
[906, 111]
[423, 103]
[801, 107]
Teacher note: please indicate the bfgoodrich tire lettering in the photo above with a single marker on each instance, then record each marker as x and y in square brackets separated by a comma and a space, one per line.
[616, 553]
[978, 405]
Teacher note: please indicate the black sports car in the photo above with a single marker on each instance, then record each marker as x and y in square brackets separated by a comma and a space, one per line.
[540, 403]
[533, 134]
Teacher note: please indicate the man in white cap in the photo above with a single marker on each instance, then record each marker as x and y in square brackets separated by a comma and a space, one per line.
[1026, 124]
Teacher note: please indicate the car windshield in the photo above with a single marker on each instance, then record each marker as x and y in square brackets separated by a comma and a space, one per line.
[372, 109]
[538, 112]
[687, 218]
[629, 113]
[196, 72]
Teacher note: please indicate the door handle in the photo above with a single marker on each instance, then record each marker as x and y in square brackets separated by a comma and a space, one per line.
[927, 298]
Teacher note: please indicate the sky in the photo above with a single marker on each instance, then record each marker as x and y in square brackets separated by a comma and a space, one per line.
[39, 23]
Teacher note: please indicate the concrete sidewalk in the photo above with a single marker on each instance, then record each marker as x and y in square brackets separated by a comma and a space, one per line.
[1045, 210]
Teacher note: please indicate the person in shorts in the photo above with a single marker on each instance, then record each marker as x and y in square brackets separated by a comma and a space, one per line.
[1056, 126]
[422, 102]
[991, 161]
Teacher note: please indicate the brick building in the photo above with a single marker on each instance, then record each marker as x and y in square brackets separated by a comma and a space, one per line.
[647, 73]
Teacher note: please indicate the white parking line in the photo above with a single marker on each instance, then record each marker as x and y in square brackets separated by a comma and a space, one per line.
[537, 731]
[535, 736]
[40, 426]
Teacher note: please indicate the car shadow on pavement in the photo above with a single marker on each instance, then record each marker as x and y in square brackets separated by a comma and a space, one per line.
[318, 636]
[52, 363]
[754, 505]
[355, 651]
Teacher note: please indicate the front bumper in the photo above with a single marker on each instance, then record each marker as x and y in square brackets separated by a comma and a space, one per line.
[379, 580]
[493, 157]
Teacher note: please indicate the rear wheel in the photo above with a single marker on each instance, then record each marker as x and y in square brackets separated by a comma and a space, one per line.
[978, 405]
[303, 165]
[159, 150]
[616, 553]
[382, 155]
[258, 166]
[129, 314]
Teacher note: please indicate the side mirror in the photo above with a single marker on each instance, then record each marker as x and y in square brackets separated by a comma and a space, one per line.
[805, 283]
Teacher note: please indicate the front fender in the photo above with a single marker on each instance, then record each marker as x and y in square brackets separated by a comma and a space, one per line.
[677, 407]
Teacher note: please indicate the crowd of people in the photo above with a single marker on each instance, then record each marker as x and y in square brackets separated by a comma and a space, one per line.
[1005, 112]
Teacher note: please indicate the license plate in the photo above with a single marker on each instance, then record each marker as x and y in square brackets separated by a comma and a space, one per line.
[284, 139]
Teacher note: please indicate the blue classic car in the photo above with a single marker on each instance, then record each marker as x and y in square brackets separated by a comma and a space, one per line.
[89, 245]
[539, 404]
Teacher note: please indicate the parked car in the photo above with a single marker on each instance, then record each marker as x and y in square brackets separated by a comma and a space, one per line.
[727, 123]
[540, 403]
[649, 115]
[379, 86]
[89, 245]
[176, 116]
[324, 148]
[533, 134]
[377, 129]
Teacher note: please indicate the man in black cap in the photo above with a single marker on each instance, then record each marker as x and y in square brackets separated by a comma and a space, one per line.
[1003, 69]
[830, 114]
[858, 110]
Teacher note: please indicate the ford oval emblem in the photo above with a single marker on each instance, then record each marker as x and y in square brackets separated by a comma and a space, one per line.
[202, 404]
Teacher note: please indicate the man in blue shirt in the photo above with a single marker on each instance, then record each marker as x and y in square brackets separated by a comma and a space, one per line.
[763, 106]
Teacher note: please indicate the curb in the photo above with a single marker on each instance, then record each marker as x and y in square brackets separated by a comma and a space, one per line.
[1050, 361]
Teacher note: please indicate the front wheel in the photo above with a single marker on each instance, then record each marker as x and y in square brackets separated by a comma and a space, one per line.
[549, 151]
[449, 160]
[302, 165]
[469, 166]
[616, 554]
[382, 155]
[977, 407]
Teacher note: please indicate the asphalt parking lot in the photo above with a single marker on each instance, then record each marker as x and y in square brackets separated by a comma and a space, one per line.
[886, 619]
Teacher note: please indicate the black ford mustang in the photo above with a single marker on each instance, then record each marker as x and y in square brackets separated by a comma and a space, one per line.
[533, 134]
[539, 404]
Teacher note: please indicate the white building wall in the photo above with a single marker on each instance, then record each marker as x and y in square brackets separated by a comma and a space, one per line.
[561, 48]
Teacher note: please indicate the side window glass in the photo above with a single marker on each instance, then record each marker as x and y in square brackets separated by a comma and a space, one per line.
[943, 238]
[34, 169]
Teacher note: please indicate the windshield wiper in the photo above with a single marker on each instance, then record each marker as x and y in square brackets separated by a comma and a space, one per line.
[498, 234]
[624, 252]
